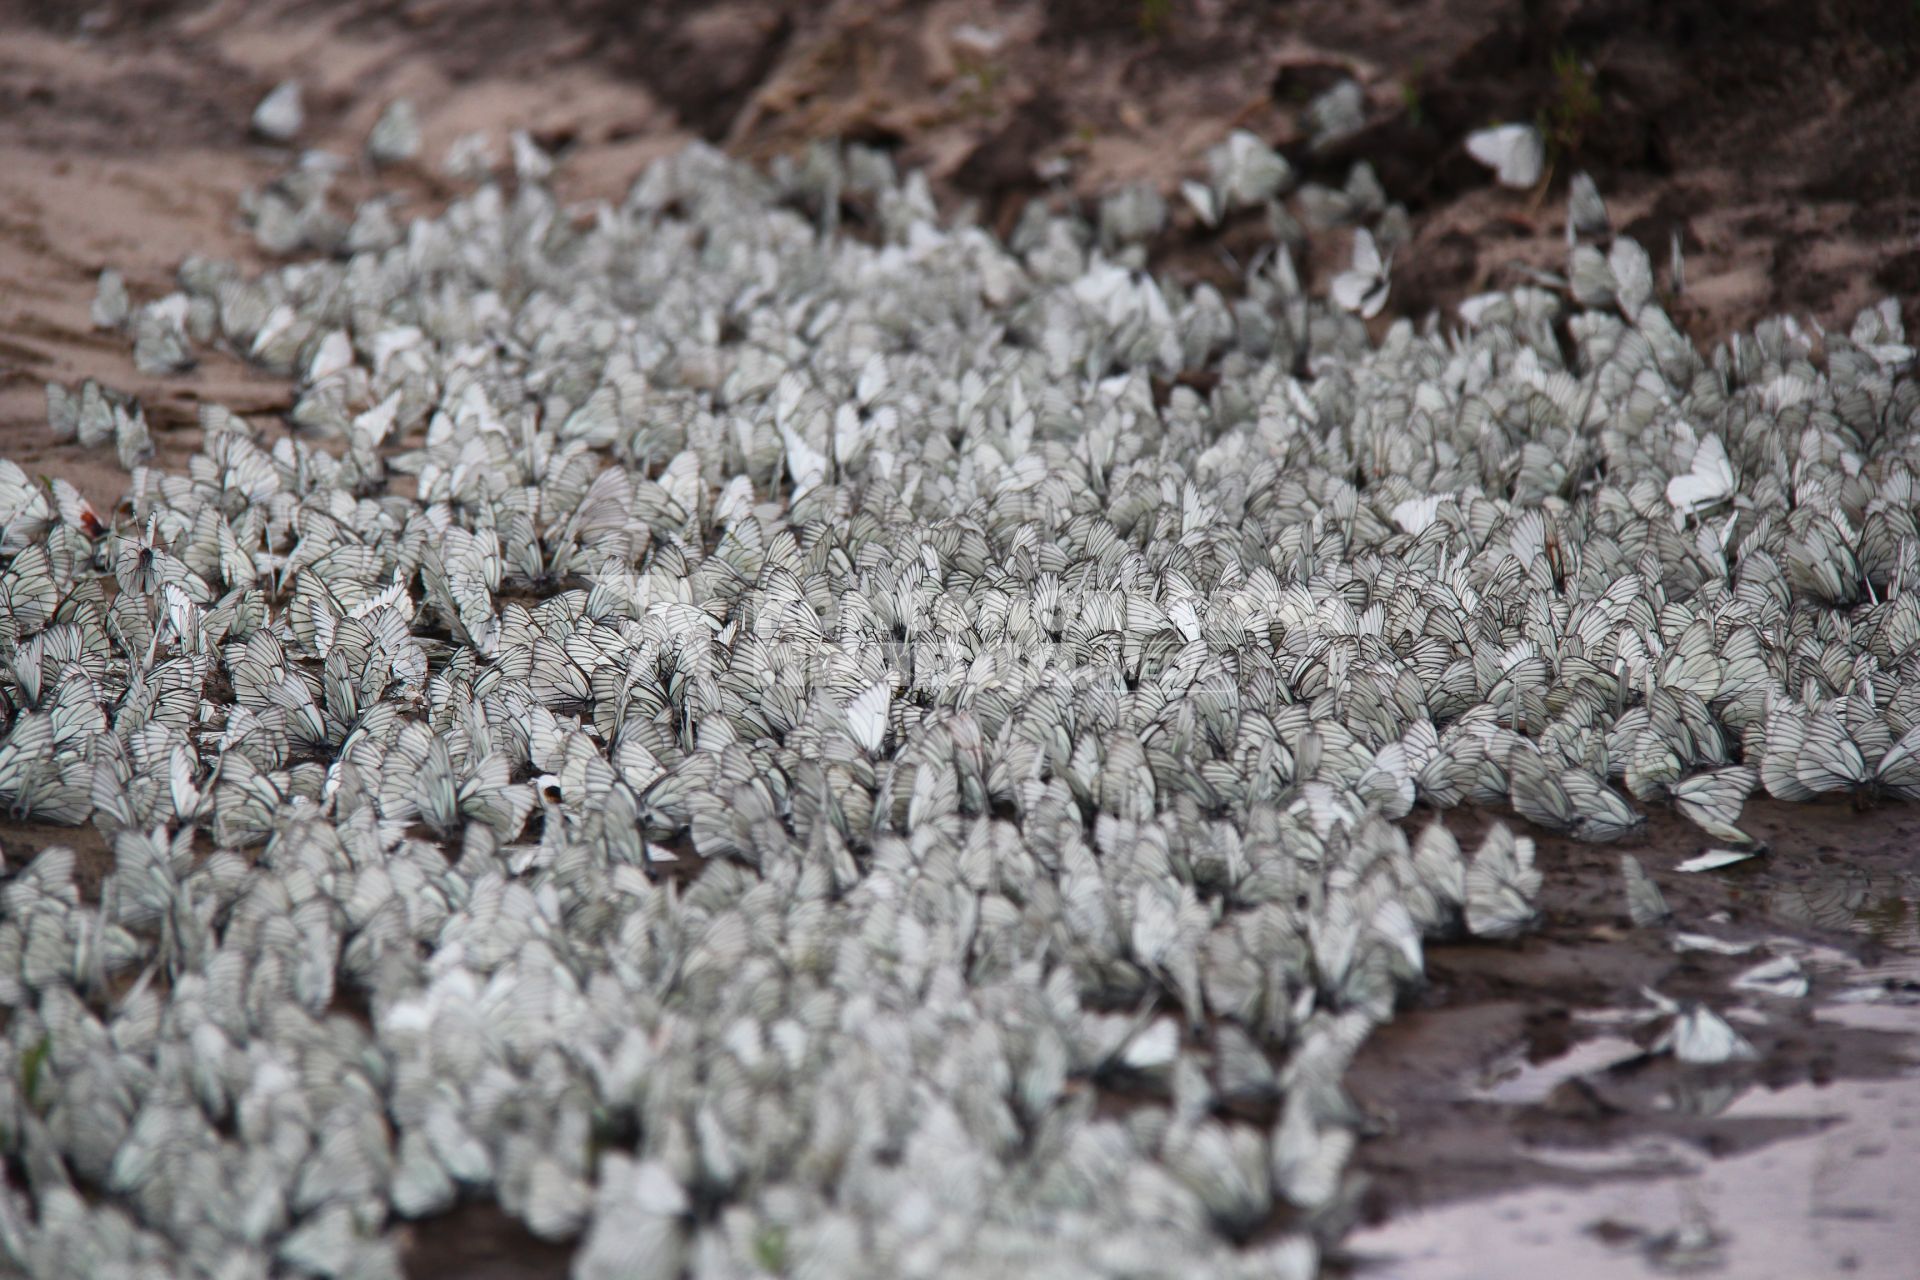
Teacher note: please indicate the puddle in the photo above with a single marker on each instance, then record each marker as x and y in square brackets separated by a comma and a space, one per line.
[1527, 1131]
[1817, 1177]
[1812, 1178]
[1872, 1012]
[1515, 1080]
[1836, 1200]
[1883, 907]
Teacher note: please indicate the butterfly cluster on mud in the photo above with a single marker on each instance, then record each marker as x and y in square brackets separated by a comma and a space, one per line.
[765, 746]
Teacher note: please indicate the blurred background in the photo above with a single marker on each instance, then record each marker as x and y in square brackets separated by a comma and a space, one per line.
[1778, 140]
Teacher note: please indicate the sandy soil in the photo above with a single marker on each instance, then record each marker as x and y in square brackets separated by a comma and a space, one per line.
[1774, 139]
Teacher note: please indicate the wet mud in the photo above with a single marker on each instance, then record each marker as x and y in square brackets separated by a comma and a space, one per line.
[1519, 1087]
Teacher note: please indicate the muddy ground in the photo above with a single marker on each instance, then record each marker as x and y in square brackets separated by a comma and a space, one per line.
[1524, 1066]
[1777, 140]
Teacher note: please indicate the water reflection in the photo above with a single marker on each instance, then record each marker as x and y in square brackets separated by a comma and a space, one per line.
[1702, 1098]
[1739, 1179]
[1518, 1082]
[1801, 1164]
[1831, 1197]
[1878, 904]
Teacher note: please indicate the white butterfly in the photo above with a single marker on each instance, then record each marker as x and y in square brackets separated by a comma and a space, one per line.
[1646, 905]
[280, 116]
[867, 716]
[1714, 800]
[1632, 275]
[1586, 211]
[1154, 1047]
[1416, 515]
[470, 157]
[1899, 769]
[531, 164]
[1336, 113]
[1781, 976]
[1515, 152]
[1363, 287]
[1715, 860]
[1708, 483]
[1698, 1036]
[1245, 172]
[110, 304]
[806, 465]
[1501, 883]
[1308, 1157]
[1684, 942]
[1201, 199]
[396, 134]
[636, 1227]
